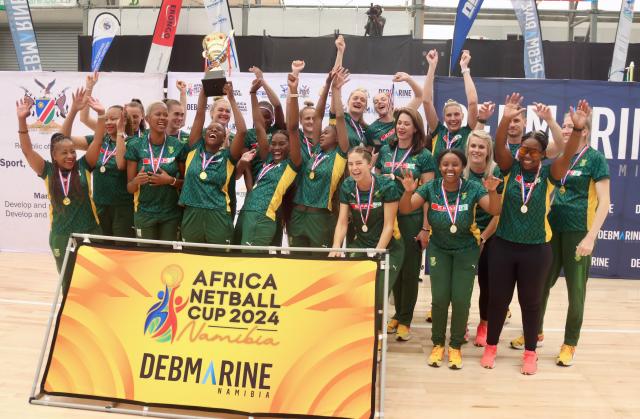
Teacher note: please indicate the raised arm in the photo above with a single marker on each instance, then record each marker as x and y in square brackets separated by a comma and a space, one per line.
[258, 121]
[182, 88]
[292, 120]
[279, 121]
[417, 90]
[241, 127]
[341, 46]
[318, 116]
[340, 78]
[427, 94]
[485, 111]
[35, 160]
[579, 117]
[198, 119]
[512, 108]
[557, 146]
[491, 202]
[79, 102]
[469, 90]
[410, 201]
[93, 152]
[91, 81]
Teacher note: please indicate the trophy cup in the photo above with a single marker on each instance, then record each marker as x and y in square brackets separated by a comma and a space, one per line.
[215, 51]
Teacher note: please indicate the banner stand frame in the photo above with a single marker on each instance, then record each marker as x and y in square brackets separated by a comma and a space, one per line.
[45, 400]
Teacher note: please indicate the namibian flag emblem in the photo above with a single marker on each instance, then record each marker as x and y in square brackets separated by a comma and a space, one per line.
[45, 110]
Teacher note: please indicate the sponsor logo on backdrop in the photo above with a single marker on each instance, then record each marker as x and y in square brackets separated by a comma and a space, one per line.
[599, 262]
[162, 321]
[304, 91]
[619, 235]
[48, 105]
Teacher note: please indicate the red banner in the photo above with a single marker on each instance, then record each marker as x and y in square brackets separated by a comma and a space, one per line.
[167, 23]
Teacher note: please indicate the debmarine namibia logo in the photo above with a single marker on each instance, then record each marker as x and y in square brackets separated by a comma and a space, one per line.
[162, 321]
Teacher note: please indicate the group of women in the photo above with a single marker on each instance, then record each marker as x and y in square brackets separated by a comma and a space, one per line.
[495, 208]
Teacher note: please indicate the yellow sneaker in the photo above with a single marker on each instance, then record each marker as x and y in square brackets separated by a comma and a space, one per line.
[403, 333]
[392, 326]
[429, 316]
[518, 343]
[455, 359]
[565, 358]
[437, 354]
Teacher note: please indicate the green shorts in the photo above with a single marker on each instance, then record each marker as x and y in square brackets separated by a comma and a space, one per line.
[154, 228]
[201, 225]
[116, 220]
[311, 228]
[257, 229]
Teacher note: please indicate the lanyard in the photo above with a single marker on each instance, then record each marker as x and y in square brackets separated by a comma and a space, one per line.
[453, 217]
[394, 165]
[156, 166]
[365, 217]
[575, 161]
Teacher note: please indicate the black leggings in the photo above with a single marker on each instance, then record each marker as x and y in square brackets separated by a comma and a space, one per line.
[483, 279]
[526, 265]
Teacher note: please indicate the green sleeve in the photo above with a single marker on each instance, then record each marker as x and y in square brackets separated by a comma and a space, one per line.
[89, 139]
[195, 146]
[498, 174]
[182, 153]
[478, 190]
[427, 162]
[344, 192]
[132, 151]
[47, 171]
[391, 192]
[424, 191]
[601, 170]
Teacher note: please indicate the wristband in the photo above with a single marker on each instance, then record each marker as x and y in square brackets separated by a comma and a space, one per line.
[120, 134]
[482, 121]
[175, 179]
[295, 95]
[578, 129]
[26, 131]
[103, 116]
[466, 70]
[425, 229]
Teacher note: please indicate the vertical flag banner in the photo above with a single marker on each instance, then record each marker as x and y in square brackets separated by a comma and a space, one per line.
[244, 335]
[219, 16]
[105, 28]
[24, 37]
[619, 59]
[527, 13]
[163, 37]
[466, 14]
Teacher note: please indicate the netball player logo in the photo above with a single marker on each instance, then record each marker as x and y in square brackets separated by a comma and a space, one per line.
[48, 106]
[162, 320]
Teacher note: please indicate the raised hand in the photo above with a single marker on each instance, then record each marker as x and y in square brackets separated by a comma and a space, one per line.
[432, 57]
[91, 81]
[256, 84]
[23, 108]
[256, 72]
[513, 106]
[408, 182]
[486, 110]
[465, 59]
[80, 99]
[297, 66]
[340, 44]
[543, 111]
[400, 77]
[248, 156]
[292, 82]
[491, 183]
[340, 78]
[227, 90]
[96, 105]
[120, 126]
[181, 86]
[580, 115]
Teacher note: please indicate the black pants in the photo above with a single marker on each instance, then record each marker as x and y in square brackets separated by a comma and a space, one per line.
[526, 265]
[483, 279]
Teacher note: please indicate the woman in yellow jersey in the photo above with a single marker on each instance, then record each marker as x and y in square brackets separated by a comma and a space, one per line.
[454, 246]
[67, 179]
[451, 133]
[520, 253]
[312, 223]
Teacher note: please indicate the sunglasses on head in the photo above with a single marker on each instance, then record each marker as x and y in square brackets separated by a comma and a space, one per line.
[533, 152]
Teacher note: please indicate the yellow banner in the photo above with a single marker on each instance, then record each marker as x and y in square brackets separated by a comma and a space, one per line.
[270, 335]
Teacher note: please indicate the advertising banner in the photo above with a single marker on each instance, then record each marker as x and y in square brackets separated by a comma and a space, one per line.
[621, 47]
[246, 335]
[527, 13]
[23, 35]
[105, 27]
[163, 36]
[465, 16]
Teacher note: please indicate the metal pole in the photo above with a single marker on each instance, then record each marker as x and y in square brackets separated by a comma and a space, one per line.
[245, 17]
[594, 21]
[383, 335]
[572, 6]
[418, 19]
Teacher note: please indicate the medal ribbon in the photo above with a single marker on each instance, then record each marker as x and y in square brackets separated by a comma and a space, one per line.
[453, 141]
[358, 129]
[318, 159]
[366, 216]
[527, 197]
[453, 217]
[308, 144]
[263, 172]
[65, 182]
[206, 162]
[394, 167]
[107, 156]
[575, 161]
[156, 166]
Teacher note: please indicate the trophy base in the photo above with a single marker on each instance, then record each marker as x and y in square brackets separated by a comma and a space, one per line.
[213, 83]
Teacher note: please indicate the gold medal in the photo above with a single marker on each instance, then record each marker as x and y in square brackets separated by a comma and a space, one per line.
[524, 209]
[392, 176]
[312, 175]
[453, 229]
[563, 189]
[203, 175]
[365, 228]
[66, 201]
[103, 169]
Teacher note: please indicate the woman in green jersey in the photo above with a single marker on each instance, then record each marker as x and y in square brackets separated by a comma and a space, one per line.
[67, 179]
[451, 134]
[209, 172]
[520, 253]
[383, 128]
[312, 223]
[257, 224]
[370, 201]
[452, 203]
[406, 151]
[155, 165]
[579, 209]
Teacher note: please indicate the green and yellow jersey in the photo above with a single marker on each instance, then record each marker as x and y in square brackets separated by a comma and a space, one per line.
[443, 139]
[270, 185]
[379, 133]
[306, 145]
[530, 226]
[80, 215]
[157, 201]
[316, 186]
[467, 233]
[251, 143]
[109, 184]
[484, 218]
[355, 130]
[384, 190]
[574, 203]
[208, 188]
[183, 137]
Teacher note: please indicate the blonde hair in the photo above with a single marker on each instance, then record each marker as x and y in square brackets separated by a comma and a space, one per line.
[587, 124]
[490, 165]
[153, 105]
[361, 90]
[450, 102]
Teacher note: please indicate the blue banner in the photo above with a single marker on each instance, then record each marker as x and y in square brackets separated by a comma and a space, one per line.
[105, 28]
[466, 14]
[527, 13]
[24, 38]
[615, 132]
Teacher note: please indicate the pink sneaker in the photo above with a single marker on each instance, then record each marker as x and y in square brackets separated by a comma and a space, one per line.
[466, 335]
[481, 335]
[529, 363]
[489, 356]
